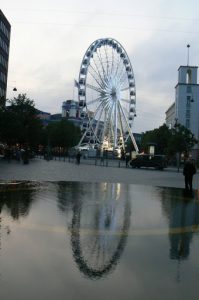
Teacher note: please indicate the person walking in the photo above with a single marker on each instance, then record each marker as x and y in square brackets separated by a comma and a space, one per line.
[188, 171]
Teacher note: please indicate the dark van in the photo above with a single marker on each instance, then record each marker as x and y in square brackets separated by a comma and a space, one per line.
[149, 161]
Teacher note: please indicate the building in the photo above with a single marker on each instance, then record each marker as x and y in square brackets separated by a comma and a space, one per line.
[45, 117]
[5, 29]
[185, 109]
[55, 117]
[170, 116]
[70, 109]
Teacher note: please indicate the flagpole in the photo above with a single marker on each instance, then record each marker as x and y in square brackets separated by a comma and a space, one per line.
[76, 85]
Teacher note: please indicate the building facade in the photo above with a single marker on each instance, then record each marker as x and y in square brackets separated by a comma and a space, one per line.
[185, 109]
[70, 109]
[45, 117]
[5, 30]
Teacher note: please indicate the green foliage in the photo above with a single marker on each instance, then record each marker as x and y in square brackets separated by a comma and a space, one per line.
[2, 102]
[169, 141]
[19, 122]
[159, 136]
[63, 134]
[182, 140]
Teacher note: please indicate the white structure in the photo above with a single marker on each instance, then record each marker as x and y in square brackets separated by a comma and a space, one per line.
[106, 87]
[70, 109]
[185, 109]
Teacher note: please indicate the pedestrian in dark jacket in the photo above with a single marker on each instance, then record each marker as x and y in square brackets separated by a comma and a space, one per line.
[188, 172]
[78, 157]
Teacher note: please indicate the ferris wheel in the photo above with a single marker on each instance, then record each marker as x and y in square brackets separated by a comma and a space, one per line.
[107, 95]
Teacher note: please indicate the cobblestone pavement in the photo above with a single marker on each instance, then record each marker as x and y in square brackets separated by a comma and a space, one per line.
[54, 170]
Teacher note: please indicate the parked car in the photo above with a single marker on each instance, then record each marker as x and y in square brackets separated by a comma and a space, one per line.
[149, 161]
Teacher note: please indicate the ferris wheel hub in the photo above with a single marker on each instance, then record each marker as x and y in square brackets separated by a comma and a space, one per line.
[113, 92]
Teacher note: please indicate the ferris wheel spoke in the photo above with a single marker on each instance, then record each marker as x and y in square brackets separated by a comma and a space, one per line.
[100, 106]
[107, 120]
[125, 89]
[107, 62]
[92, 87]
[119, 66]
[103, 109]
[103, 76]
[91, 122]
[96, 74]
[122, 77]
[98, 123]
[103, 65]
[100, 60]
[93, 101]
[103, 56]
[125, 110]
[112, 66]
[96, 80]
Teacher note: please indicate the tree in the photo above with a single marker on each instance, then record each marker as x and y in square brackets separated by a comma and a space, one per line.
[2, 102]
[19, 122]
[169, 141]
[159, 136]
[63, 134]
[182, 140]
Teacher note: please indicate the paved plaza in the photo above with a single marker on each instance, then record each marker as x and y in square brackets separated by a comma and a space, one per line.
[55, 170]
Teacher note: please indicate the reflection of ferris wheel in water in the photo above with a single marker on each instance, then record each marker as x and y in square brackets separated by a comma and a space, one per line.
[107, 95]
[99, 231]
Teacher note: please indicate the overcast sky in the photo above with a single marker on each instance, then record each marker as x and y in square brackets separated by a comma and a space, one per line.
[49, 39]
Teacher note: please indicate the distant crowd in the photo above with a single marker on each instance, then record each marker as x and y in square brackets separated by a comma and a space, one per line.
[18, 153]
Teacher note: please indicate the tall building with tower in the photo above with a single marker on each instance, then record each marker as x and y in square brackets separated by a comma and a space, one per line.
[5, 29]
[185, 109]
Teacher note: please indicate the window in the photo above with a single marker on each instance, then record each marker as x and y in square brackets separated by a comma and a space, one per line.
[188, 101]
[188, 113]
[189, 89]
[188, 76]
[188, 123]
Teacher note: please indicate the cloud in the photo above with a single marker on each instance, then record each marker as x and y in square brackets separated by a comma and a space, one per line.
[48, 44]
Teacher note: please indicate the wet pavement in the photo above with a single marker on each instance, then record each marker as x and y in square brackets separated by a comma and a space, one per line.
[64, 240]
[41, 170]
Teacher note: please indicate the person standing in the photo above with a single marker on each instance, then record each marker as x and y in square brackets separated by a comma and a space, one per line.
[78, 157]
[188, 171]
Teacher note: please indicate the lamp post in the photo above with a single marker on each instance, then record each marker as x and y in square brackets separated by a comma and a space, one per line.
[178, 153]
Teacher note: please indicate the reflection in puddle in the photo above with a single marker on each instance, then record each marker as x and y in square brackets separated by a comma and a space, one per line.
[93, 240]
[183, 215]
[97, 252]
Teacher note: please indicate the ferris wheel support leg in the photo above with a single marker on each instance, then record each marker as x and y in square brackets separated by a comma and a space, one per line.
[129, 129]
[115, 125]
[82, 138]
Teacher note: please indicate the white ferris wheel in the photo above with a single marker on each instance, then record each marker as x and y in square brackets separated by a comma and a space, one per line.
[107, 96]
